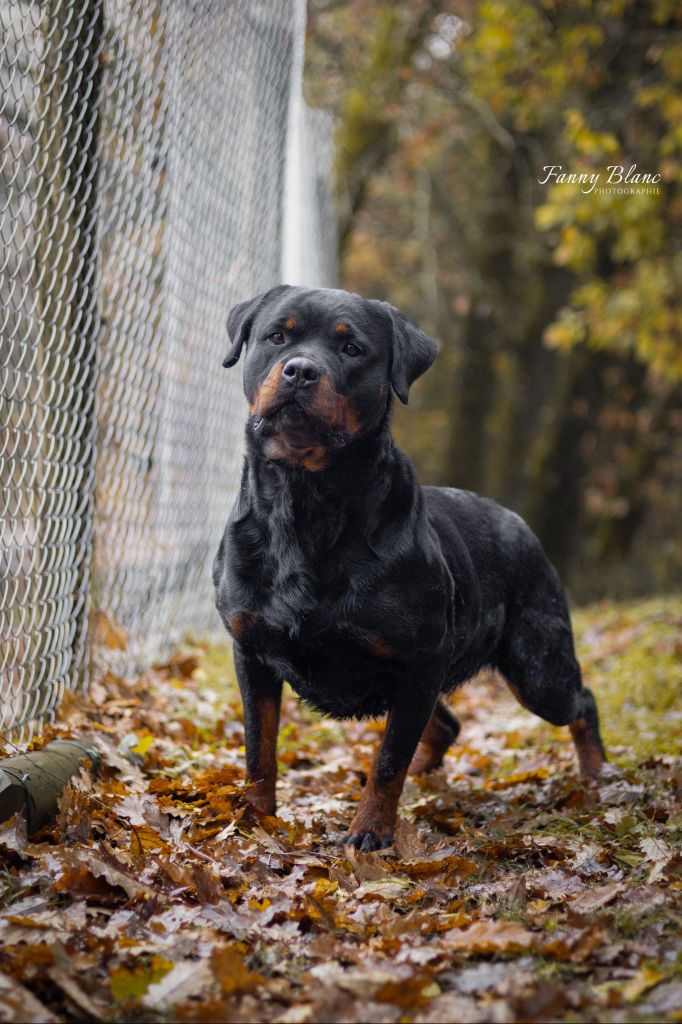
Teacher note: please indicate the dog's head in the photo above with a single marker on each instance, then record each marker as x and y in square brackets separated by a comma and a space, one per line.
[319, 367]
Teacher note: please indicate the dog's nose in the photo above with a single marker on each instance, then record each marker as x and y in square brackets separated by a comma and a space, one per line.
[300, 371]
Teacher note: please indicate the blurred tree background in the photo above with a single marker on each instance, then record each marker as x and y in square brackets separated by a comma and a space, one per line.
[557, 388]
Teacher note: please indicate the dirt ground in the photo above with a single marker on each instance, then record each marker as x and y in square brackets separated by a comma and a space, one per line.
[515, 890]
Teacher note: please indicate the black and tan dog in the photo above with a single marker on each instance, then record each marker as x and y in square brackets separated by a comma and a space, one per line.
[368, 593]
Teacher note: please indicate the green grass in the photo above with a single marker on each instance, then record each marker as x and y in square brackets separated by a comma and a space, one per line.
[632, 657]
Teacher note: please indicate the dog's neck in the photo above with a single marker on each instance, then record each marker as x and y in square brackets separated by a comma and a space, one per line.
[356, 487]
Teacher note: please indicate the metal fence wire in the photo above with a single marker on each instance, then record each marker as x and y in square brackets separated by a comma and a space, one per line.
[151, 174]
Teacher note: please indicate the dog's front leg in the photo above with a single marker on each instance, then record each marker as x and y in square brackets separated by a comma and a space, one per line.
[374, 822]
[261, 692]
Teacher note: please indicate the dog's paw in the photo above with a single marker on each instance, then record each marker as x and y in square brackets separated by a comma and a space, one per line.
[367, 841]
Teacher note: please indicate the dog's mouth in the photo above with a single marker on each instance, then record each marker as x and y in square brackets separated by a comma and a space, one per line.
[289, 419]
[298, 428]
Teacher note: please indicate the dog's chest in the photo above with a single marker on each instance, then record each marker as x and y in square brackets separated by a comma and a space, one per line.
[343, 670]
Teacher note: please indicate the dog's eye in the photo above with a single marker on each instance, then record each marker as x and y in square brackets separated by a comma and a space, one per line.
[350, 349]
[276, 339]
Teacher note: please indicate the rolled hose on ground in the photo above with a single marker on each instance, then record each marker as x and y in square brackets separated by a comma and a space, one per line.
[32, 783]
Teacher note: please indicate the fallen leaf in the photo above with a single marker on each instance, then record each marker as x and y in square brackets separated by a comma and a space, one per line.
[492, 937]
[385, 888]
[107, 632]
[659, 853]
[645, 979]
[184, 980]
[232, 973]
[132, 982]
[592, 899]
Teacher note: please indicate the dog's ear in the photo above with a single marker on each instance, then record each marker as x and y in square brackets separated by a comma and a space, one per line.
[241, 317]
[413, 351]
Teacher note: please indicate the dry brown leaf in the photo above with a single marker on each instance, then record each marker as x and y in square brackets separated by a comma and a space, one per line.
[229, 969]
[659, 853]
[367, 867]
[184, 980]
[450, 866]
[172, 866]
[492, 937]
[13, 834]
[408, 843]
[389, 888]
[645, 979]
[183, 662]
[592, 899]
[108, 633]
[144, 838]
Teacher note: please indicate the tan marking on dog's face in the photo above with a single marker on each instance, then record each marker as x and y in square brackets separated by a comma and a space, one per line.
[325, 404]
[265, 395]
[312, 458]
[341, 329]
[291, 323]
[333, 408]
[315, 459]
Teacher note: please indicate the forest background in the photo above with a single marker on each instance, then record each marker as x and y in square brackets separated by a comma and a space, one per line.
[556, 305]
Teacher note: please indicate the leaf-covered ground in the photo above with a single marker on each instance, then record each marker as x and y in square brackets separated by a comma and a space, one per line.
[515, 891]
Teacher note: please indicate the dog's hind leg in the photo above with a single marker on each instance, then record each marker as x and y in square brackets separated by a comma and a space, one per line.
[586, 736]
[440, 733]
[539, 664]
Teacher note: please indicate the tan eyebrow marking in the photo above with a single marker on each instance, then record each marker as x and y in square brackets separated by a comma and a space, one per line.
[290, 323]
[341, 329]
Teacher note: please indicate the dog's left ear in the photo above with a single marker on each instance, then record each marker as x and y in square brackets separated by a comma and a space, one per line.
[240, 320]
[413, 351]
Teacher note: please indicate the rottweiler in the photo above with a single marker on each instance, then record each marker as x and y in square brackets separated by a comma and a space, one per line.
[368, 593]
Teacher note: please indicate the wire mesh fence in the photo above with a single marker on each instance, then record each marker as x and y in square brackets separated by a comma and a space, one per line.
[143, 188]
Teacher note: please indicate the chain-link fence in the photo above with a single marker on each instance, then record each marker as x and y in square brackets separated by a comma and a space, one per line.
[144, 189]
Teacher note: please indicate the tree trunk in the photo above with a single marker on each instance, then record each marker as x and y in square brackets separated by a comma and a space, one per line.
[555, 501]
[474, 390]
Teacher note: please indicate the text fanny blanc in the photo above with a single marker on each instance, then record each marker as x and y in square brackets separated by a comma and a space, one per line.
[617, 175]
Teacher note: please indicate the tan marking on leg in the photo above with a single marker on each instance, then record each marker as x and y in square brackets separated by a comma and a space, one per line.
[590, 757]
[432, 746]
[379, 806]
[263, 775]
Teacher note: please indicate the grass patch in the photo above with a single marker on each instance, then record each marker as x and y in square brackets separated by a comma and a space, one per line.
[630, 654]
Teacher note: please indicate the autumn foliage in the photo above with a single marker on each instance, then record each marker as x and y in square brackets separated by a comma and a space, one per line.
[515, 891]
[557, 389]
